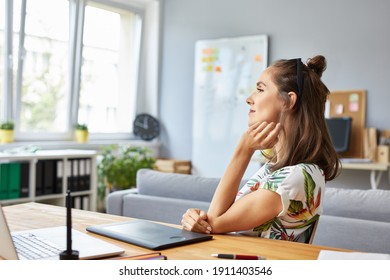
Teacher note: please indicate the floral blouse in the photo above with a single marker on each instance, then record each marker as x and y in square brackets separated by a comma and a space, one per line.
[300, 188]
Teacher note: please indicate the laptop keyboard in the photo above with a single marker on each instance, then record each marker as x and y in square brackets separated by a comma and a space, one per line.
[29, 246]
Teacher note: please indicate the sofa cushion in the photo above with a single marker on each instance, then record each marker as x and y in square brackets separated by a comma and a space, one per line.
[353, 234]
[361, 204]
[174, 185]
[167, 210]
[114, 201]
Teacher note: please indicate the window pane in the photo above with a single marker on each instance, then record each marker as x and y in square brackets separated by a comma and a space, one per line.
[2, 26]
[45, 71]
[108, 83]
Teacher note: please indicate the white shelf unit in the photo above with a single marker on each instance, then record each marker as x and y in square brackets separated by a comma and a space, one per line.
[65, 156]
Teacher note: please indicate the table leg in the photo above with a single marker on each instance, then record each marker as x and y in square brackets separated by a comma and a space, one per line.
[375, 180]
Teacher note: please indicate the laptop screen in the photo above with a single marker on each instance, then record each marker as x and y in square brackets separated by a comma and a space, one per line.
[7, 248]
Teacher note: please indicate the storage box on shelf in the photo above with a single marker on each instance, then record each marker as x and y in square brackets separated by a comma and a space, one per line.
[173, 166]
[383, 154]
[44, 176]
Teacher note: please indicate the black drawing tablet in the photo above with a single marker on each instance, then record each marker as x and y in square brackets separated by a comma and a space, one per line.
[148, 234]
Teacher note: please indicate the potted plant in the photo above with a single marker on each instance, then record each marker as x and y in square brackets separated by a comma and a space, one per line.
[7, 132]
[118, 166]
[81, 133]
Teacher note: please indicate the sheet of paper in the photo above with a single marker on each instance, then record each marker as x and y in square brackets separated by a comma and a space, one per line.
[335, 255]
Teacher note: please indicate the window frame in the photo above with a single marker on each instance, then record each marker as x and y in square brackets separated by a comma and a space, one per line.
[148, 64]
[7, 107]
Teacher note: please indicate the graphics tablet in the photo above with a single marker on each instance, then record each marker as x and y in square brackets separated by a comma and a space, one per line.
[148, 234]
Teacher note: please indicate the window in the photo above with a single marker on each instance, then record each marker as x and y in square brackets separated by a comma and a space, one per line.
[44, 97]
[108, 83]
[2, 24]
[78, 62]
[2, 55]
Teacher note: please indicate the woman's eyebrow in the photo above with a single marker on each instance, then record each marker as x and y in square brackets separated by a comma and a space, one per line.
[260, 84]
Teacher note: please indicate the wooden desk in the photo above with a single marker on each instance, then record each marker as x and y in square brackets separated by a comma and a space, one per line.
[34, 215]
[376, 170]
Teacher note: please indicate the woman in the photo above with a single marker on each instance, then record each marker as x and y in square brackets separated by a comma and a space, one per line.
[283, 199]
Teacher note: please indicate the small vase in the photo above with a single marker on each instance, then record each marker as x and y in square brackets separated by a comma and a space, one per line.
[81, 136]
[6, 135]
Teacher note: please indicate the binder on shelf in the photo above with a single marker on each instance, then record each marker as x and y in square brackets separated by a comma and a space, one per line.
[68, 174]
[76, 202]
[14, 180]
[85, 173]
[85, 202]
[59, 176]
[24, 179]
[81, 177]
[39, 177]
[80, 202]
[88, 168]
[4, 171]
[78, 174]
[75, 175]
[49, 174]
[11, 180]
[53, 171]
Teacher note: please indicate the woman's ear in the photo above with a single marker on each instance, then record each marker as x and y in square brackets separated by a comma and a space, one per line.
[293, 100]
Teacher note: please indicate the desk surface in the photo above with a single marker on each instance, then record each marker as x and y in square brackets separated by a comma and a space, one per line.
[35, 215]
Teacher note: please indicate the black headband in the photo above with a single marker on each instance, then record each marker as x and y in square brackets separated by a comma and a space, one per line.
[299, 76]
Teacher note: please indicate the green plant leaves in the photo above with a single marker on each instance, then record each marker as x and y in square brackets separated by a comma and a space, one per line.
[7, 125]
[120, 163]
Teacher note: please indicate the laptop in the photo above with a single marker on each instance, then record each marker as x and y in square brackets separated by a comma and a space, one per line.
[49, 242]
[149, 234]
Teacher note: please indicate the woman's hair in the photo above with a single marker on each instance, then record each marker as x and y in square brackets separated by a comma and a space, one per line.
[305, 135]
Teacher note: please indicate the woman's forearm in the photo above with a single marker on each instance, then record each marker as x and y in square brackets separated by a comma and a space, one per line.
[226, 191]
[258, 136]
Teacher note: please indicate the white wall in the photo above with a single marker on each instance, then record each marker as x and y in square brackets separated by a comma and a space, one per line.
[352, 34]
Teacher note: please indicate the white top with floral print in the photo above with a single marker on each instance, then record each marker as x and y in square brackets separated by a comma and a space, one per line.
[301, 188]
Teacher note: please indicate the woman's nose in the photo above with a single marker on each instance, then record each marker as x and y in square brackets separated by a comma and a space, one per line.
[249, 100]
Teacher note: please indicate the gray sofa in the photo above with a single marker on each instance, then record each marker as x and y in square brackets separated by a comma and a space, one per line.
[353, 219]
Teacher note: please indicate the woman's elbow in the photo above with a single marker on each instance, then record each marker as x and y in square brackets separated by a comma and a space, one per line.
[220, 225]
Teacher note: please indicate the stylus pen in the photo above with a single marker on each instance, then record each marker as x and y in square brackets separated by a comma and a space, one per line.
[238, 257]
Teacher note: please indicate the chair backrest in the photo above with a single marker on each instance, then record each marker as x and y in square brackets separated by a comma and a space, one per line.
[313, 231]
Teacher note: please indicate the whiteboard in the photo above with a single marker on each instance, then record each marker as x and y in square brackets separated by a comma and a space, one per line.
[226, 71]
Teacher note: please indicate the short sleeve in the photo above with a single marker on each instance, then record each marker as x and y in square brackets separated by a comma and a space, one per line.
[300, 188]
[288, 182]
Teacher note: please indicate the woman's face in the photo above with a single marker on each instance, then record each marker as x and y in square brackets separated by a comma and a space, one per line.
[264, 102]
